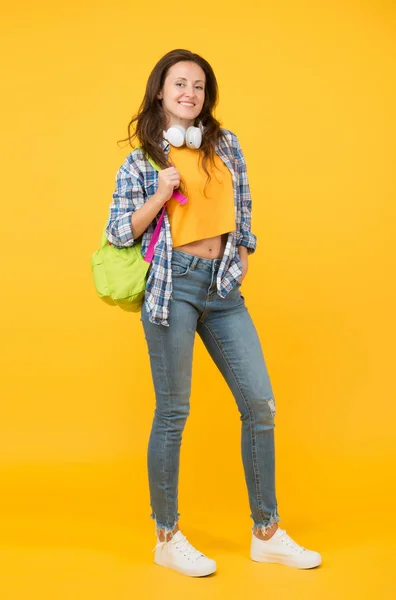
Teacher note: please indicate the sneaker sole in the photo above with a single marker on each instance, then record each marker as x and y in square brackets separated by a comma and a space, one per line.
[204, 573]
[285, 560]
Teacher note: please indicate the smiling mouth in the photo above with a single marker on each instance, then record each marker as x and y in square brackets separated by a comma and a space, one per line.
[188, 104]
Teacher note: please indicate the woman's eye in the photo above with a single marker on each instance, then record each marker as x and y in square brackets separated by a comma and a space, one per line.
[199, 87]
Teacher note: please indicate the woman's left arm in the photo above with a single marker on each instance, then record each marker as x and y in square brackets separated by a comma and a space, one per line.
[243, 255]
[247, 241]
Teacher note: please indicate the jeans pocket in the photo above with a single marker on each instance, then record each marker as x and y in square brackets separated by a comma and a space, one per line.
[238, 289]
[179, 269]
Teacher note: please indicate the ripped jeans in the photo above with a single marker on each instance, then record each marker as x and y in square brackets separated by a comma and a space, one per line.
[230, 337]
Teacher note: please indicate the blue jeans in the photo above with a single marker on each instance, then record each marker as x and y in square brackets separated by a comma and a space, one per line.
[227, 330]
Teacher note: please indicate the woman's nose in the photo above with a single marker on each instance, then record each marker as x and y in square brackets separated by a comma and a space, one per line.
[189, 91]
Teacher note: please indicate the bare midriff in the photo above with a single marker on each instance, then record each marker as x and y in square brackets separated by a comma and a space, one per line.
[208, 248]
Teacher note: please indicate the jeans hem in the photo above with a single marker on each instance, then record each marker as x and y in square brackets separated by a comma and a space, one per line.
[162, 526]
[264, 527]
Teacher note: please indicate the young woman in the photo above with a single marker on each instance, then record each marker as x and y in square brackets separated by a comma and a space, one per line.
[193, 286]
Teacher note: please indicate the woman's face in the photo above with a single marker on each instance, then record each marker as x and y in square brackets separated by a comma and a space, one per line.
[183, 93]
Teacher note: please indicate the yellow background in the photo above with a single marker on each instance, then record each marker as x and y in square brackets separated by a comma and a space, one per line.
[309, 88]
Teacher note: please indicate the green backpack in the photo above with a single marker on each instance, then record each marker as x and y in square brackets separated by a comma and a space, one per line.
[120, 274]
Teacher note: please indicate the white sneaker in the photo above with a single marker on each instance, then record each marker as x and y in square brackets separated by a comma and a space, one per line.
[280, 548]
[178, 554]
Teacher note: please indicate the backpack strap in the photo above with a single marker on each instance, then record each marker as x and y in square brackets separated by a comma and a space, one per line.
[154, 238]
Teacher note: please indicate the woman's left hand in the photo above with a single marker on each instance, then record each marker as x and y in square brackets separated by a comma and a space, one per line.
[243, 255]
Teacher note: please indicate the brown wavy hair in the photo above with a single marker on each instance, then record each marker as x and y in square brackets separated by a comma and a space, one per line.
[150, 121]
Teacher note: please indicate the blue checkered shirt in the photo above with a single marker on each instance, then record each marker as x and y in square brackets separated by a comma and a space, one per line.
[136, 181]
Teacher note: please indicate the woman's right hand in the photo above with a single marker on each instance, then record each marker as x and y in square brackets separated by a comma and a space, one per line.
[168, 181]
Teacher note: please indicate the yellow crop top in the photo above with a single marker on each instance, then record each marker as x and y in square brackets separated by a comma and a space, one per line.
[203, 216]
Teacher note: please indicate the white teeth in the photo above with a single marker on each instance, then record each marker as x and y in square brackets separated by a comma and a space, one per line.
[186, 104]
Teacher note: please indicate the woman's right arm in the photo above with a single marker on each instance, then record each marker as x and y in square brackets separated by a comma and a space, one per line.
[130, 215]
[143, 216]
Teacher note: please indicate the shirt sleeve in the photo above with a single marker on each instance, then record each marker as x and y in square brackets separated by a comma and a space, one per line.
[246, 237]
[127, 197]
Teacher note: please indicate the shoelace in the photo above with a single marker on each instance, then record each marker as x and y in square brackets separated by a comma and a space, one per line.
[182, 546]
[286, 539]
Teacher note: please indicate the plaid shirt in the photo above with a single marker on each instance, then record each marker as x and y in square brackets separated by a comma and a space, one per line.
[136, 182]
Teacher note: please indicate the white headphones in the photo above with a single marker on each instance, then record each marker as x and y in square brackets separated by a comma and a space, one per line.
[177, 136]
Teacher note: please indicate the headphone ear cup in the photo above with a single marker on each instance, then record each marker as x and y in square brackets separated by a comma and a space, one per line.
[175, 135]
[194, 137]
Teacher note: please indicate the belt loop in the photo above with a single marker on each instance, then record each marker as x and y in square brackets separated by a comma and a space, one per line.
[194, 262]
